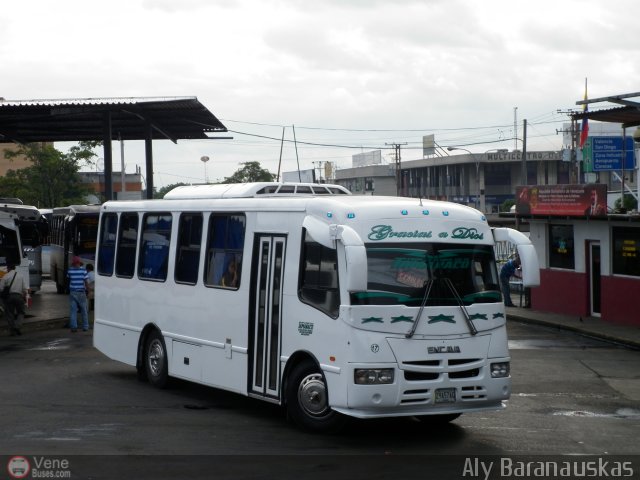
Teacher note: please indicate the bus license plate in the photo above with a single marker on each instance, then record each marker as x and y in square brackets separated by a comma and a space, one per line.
[445, 395]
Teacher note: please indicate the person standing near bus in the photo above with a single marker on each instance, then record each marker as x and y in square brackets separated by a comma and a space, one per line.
[77, 277]
[14, 303]
[507, 271]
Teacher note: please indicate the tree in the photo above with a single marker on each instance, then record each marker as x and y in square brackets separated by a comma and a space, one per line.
[250, 172]
[630, 203]
[164, 190]
[52, 180]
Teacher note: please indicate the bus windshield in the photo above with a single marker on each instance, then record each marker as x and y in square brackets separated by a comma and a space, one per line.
[399, 275]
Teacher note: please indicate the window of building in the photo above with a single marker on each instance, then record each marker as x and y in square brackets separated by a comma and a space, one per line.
[561, 249]
[188, 248]
[154, 246]
[626, 251]
[225, 243]
[497, 174]
[127, 241]
[106, 253]
[319, 277]
[564, 173]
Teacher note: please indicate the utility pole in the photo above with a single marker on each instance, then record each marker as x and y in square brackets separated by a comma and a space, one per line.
[397, 146]
[523, 173]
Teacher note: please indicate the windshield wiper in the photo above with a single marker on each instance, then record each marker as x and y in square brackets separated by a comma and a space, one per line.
[427, 291]
[456, 295]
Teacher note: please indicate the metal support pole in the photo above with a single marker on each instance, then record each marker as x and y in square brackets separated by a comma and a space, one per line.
[108, 157]
[148, 153]
[523, 173]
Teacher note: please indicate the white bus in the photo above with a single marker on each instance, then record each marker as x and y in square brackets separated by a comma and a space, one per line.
[11, 245]
[73, 233]
[329, 304]
[33, 227]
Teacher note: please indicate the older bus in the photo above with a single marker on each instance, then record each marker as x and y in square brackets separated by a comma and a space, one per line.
[329, 304]
[73, 233]
[33, 228]
[11, 245]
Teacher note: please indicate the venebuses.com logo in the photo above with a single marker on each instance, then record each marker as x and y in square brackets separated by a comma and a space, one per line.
[19, 466]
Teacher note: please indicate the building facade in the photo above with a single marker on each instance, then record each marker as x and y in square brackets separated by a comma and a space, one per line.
[480, 180]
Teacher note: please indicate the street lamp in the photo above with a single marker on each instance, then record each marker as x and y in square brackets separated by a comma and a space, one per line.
[204, 159]
[479, 192]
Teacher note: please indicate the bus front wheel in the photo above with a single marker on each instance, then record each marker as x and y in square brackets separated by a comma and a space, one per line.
[307, 400]
[155, 360]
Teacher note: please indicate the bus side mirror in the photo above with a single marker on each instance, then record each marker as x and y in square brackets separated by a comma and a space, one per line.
[356, 256]
[530, 266]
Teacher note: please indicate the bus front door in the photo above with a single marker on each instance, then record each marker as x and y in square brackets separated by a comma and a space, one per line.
[266, 320]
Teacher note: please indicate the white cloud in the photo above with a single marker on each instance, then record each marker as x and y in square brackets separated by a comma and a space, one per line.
[438, 66]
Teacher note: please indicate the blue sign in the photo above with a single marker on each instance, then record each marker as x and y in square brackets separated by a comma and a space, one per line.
[607, 153]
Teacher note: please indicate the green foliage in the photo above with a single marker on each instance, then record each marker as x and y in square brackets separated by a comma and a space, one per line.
[164, 190]
[250, 172]
[52, 180]
[506, 205]
[630, 203]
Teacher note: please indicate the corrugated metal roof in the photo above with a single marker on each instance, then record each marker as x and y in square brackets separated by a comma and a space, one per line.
[79, 119]
[629, 116]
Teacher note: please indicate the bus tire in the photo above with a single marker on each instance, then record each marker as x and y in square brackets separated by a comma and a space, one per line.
[155, 360]
[307, 400]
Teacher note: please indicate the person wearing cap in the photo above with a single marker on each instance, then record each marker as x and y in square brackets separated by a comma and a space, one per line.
[77, 277]
[14, 303]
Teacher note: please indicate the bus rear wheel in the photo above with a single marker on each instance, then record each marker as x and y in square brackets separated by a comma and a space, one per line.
[155, 360]
[307, 400]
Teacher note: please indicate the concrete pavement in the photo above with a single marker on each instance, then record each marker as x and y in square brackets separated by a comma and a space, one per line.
[51, 310]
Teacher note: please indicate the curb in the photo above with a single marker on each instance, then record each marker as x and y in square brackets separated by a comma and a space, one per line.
[626, 342]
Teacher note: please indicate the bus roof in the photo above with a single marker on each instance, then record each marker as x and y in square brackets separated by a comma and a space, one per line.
[76, 209]
[22, 212]
[249, 190]
[330, 208]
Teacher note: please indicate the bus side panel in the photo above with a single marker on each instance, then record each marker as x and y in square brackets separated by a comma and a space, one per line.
[116, 342]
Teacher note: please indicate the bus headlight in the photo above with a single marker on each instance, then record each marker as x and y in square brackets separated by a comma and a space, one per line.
[500, 370]
[373, 376]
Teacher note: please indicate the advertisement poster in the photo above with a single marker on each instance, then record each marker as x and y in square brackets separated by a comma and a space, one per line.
[589, 200]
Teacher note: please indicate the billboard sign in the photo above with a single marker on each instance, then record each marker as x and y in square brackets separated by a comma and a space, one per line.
[367, 158]
[587, 200]
[607, 153]
[304, 176]
[428, 145]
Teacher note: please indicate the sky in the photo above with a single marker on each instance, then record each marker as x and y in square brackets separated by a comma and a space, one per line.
[339, 77]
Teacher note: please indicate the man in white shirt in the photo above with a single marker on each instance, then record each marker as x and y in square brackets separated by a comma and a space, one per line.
[14, 303]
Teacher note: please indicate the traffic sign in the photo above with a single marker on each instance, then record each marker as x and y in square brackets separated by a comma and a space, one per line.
[607, 153]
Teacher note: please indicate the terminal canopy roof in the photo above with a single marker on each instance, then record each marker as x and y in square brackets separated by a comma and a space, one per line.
[628, 115]
[108, 119]
[73, 120]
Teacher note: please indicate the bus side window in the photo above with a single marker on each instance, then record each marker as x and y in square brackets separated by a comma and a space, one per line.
[225, 243]
[319, 277]
[188, 251]
[107, 251]
[127, 241]
[154, 247]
